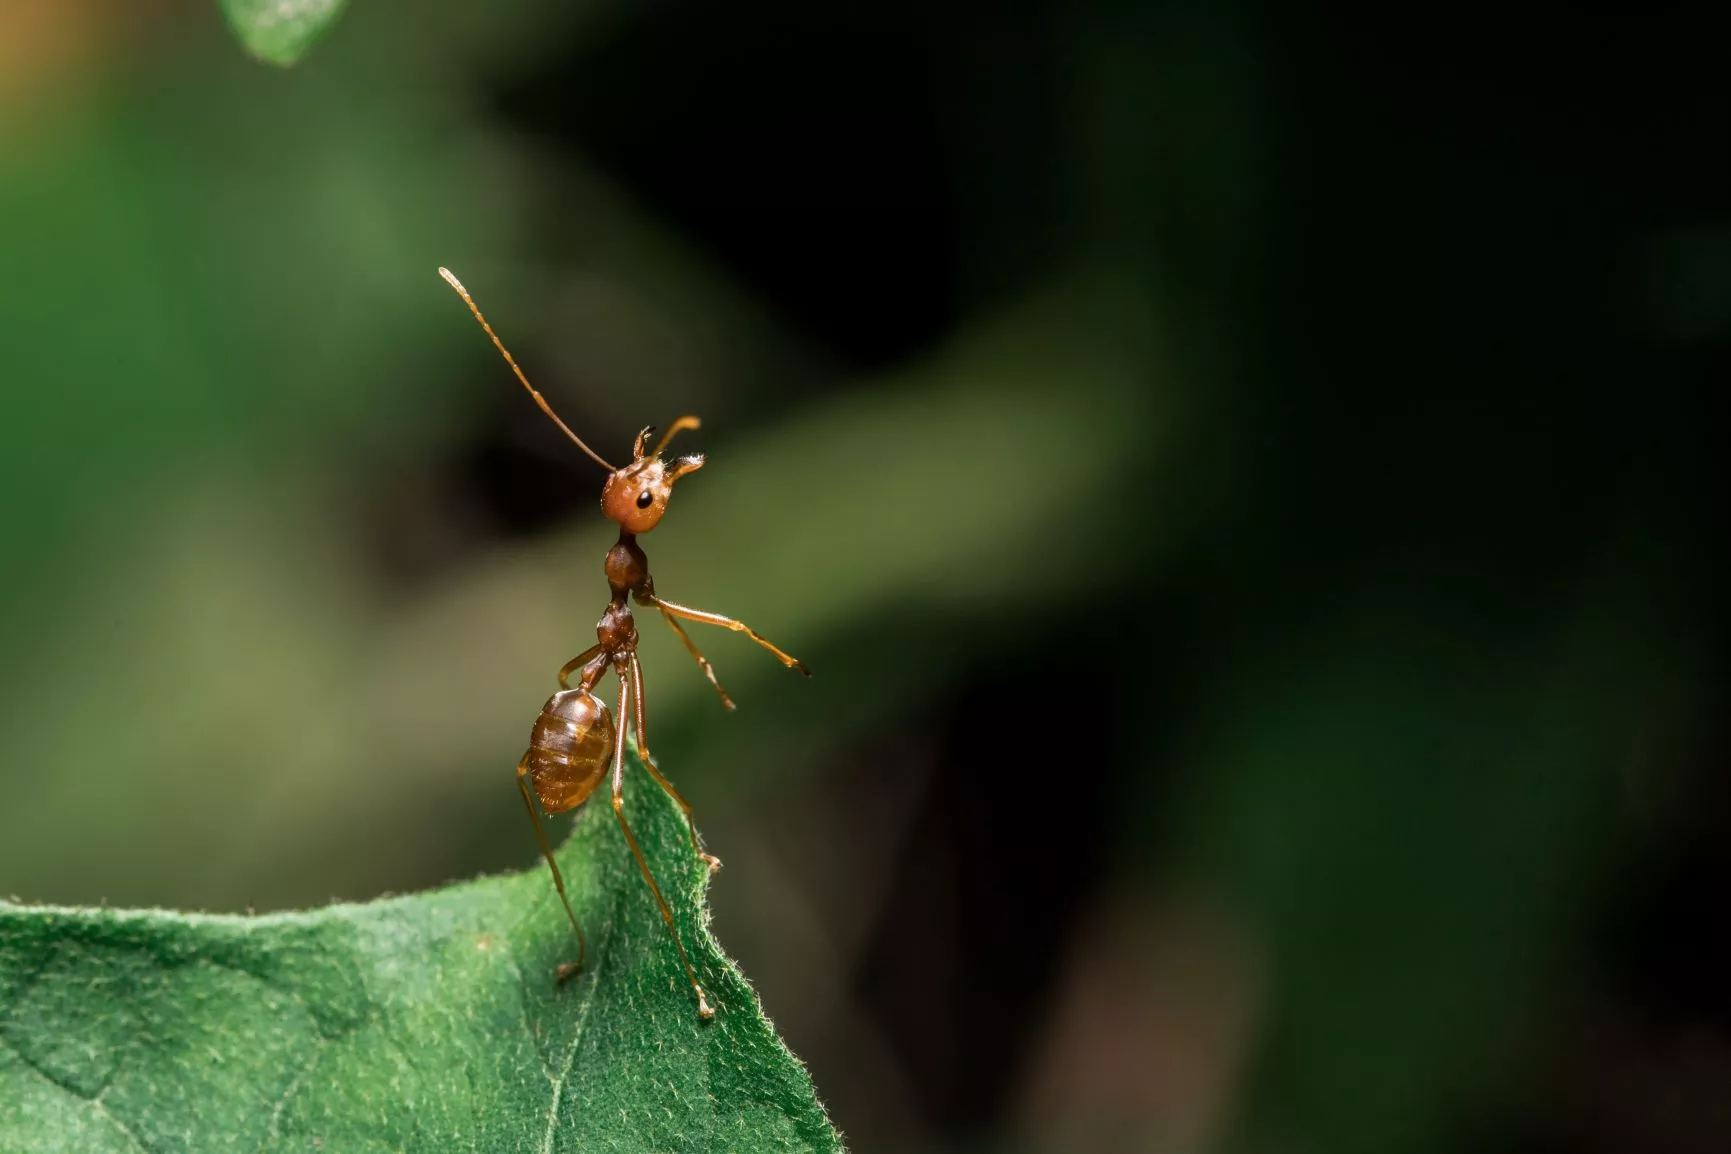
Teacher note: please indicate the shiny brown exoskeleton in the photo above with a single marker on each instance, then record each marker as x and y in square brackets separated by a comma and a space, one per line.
[575, 737]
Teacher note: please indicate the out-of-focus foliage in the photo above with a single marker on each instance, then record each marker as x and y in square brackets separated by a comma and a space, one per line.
[1241, 478]
[421, 1023]
[280, 31]
[197, 517]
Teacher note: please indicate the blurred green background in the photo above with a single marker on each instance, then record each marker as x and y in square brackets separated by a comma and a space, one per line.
[1242, 479]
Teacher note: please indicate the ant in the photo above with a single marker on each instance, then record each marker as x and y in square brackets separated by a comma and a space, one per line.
[575, 738]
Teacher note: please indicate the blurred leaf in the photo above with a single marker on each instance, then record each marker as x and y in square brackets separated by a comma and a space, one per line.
[401, 706]
[280, 31]
[410, 1023]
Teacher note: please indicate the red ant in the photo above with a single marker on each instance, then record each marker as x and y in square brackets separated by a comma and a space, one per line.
[575, 737]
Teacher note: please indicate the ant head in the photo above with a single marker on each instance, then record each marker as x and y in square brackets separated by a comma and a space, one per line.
[635, 497]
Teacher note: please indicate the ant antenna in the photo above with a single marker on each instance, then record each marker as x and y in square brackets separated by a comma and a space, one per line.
[673, 430]
[506, 353]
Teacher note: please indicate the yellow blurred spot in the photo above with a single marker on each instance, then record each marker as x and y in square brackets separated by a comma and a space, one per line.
[41, 42]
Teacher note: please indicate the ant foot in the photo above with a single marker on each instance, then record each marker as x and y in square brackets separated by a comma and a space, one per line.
[703, 1009]
[568, 970]
[710, 860]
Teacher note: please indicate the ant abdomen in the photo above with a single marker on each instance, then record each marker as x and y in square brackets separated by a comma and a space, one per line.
[569, 748]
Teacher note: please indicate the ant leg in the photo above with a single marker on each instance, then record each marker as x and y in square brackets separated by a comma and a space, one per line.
[702, 661]
[569, 968]
[575, 663]
[648, 760]
[706, 618]
[703, 1010]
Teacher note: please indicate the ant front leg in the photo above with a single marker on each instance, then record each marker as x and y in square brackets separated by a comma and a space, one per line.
[703, 1009]
[709, 859]
[702, 661]
[706, 618]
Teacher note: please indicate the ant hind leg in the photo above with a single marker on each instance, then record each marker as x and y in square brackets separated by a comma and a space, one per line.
[648, 760]
[568, 968]
[703, 1007]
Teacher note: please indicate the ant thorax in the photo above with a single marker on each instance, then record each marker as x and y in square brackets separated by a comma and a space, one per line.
[627, 567]
[617, 629]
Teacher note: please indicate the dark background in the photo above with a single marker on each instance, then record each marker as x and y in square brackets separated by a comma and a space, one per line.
[1242, 476]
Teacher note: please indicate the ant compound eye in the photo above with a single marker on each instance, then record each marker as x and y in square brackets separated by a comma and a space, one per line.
[645, 499]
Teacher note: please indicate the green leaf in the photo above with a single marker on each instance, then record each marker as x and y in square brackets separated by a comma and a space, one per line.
[430, 1022]
[280, 31]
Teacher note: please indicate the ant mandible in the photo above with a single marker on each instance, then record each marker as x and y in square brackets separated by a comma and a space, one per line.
[575, 738]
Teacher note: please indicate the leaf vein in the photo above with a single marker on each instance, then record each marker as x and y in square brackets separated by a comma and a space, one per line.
[96, 1103]
[102, 1108]
[320, 1039]
[576, 1040]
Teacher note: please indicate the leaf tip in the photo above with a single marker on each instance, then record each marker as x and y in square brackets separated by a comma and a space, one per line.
[279, 31]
